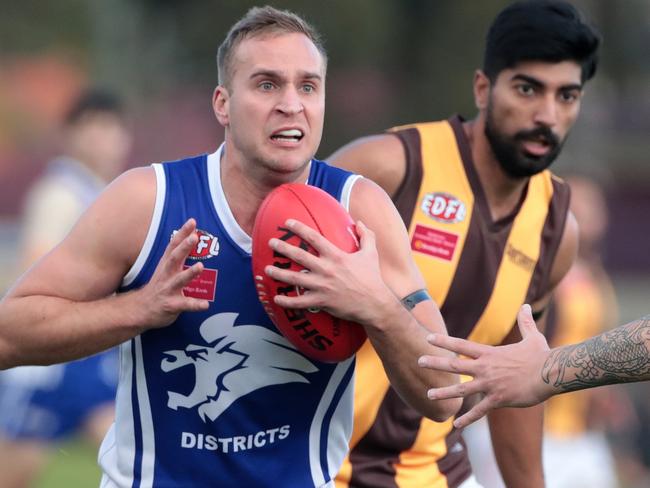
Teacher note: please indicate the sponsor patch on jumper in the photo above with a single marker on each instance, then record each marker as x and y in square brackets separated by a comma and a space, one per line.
[434, 242]
[443, 207]
[206, 247]
[204, 286]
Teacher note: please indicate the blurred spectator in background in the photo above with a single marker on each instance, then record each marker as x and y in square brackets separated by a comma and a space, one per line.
[583, 306]
[40, 405]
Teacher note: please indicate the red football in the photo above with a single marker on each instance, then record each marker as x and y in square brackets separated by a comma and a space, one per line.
[315, 333]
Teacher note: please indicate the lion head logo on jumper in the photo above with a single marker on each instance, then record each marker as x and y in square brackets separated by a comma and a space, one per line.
[233, 362]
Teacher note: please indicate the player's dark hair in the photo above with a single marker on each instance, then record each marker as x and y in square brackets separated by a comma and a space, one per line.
[258, 21]
[92, 101]
[540, 30]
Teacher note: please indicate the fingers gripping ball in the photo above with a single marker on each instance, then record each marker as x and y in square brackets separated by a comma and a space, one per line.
[315, 333]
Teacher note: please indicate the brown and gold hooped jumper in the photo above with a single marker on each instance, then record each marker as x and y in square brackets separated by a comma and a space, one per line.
[478, 271]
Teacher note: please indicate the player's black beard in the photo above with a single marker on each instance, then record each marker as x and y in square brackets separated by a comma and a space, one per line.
[511, 158]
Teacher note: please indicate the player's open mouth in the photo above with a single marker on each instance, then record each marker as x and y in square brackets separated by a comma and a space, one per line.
[538, 146]
[288, 135]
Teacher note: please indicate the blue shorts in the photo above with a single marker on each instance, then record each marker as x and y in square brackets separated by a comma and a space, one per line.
[53, 402]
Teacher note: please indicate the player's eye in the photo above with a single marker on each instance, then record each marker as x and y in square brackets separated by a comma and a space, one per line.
[569, 96]
[526, 89]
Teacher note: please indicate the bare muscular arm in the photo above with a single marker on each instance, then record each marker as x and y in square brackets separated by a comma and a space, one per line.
[64, 307]
[382, 159]
[366, 287]
[397, 343]
[527, 373]
[621, 355]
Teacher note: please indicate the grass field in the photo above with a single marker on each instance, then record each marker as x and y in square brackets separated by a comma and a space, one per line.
[72, 465]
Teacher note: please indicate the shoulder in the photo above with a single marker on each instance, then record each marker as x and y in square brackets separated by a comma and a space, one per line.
[125, 208]
[380, 157]
[372, 205]
[137, 183]
[365, 196]
[102, 245]
[134, 192]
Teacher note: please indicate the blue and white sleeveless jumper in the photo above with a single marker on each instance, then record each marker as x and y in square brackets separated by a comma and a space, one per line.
[219, 398]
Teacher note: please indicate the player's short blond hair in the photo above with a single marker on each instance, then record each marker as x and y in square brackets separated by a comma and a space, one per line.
[259, 21]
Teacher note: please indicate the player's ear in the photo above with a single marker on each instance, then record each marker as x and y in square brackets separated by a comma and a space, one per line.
[481, 89]
[220, 104]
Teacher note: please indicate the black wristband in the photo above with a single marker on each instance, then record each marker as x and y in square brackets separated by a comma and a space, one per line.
[410, 301]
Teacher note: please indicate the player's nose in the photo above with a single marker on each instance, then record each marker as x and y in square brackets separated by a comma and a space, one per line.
[546, 112]
[290, 102]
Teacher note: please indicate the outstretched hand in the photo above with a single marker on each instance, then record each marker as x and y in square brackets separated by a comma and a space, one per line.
[505, 376]
[347, 285]
[162, 299]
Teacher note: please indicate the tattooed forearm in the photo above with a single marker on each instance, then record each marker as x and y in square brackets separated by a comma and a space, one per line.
[621, 355]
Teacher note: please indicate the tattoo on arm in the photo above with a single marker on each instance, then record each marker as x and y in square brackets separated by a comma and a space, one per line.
[621, 355]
